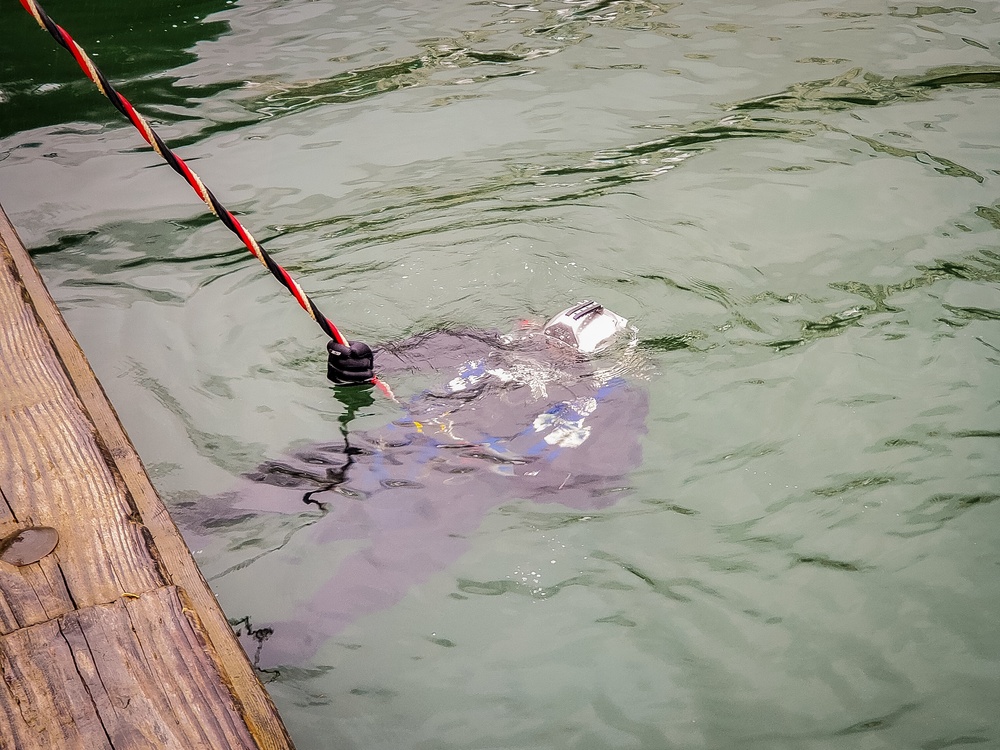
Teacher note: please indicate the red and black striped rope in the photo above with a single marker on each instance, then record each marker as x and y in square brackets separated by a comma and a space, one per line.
[178, 165]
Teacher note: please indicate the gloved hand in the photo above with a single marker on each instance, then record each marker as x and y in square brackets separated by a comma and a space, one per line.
[354, 365]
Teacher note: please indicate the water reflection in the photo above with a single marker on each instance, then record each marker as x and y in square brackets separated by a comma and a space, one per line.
[525, 187]
[136, 43]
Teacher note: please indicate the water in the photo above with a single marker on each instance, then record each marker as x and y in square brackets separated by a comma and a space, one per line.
[797, 204]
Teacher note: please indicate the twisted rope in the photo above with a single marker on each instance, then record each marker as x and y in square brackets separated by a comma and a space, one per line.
[178, 165]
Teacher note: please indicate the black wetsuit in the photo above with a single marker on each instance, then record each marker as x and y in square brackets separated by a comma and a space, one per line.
[507, 424]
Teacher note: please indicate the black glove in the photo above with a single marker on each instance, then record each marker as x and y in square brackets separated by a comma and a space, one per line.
[353, 365]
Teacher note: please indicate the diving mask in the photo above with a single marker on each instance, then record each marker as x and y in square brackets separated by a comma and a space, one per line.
[587, 326]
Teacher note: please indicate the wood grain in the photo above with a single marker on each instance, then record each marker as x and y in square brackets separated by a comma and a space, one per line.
[53, 473]
[66, 462]
[96, 669]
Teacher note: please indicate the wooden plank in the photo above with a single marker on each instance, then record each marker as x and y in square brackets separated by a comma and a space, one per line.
[89, 675]
[53, 473]
[32, 594]
[49, 707]
[143, 550]
[6, 513]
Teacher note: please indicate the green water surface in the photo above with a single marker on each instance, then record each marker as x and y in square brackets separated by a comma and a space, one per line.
[797, 202]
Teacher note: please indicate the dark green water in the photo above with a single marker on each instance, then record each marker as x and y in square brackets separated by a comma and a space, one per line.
[796, 203]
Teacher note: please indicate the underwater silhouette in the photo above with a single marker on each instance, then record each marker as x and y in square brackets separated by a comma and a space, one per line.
[515, 418]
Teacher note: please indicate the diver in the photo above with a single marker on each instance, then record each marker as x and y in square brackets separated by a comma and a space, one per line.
[545, 415]
[490, 410]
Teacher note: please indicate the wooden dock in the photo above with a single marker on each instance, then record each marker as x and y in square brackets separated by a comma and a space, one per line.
[114, 639]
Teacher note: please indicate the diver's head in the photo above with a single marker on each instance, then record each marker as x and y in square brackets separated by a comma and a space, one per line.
[585, 340]
[586, 327]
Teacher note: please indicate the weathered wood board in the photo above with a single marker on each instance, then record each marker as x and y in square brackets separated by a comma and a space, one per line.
[113, 640]
[115, 675]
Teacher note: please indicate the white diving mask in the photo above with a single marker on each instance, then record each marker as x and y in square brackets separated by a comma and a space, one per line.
[587, 326]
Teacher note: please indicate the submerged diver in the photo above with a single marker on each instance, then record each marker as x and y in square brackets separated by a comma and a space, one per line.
[587, 327]
[525, 417]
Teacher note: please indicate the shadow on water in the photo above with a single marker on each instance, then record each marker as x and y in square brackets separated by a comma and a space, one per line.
[133, 43]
